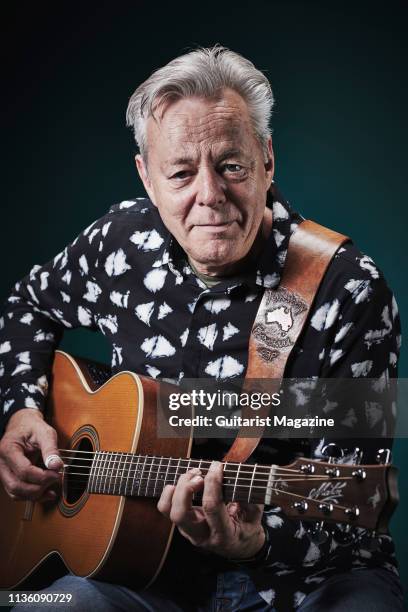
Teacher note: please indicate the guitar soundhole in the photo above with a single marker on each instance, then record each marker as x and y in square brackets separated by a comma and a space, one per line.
[77, 474]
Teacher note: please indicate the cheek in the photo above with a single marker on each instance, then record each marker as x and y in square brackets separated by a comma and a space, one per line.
[174, 213]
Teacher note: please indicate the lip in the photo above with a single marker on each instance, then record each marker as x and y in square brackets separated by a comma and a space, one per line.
[224, 224]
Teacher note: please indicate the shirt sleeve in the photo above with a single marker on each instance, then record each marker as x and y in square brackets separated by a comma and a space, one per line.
[361, 367]
[365, 343]
[59, 295]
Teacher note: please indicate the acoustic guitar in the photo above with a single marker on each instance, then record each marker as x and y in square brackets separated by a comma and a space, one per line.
[115, 468]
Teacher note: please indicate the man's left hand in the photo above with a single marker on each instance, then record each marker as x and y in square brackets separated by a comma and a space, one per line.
[232, 530]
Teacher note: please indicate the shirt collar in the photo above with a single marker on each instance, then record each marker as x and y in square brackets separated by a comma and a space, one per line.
[272, 258]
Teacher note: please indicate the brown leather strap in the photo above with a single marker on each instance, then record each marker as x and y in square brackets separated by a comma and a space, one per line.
[281, 317]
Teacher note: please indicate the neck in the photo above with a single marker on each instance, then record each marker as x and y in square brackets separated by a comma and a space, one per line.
[146, 476]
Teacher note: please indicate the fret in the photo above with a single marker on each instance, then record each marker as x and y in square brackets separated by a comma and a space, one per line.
[135, 474]
[108, 480]
[100, 475]
[99, 472]
[157, 477]
[199, 467]
[98, 462]
[112, 483]
[92, 473]
[141, 475]
[102, 479]
[118, 475]
[152, 459]
[225, 481]
[108, 472]
[105, 472]
[176, 474]
[236, 482]
[122, 474]
[122, 479]
[167, 471]
[270, 483]
[251, 484]
[128, 485]
[128, 467]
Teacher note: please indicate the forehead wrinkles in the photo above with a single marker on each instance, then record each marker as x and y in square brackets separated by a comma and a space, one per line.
[216, 124]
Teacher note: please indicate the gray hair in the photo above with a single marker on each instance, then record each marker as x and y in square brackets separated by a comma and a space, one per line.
[204, 73]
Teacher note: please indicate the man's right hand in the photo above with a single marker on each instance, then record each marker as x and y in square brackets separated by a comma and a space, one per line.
[27, 437]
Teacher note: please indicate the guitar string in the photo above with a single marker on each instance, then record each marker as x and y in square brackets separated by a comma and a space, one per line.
[104, 455]
[155, 482]
[98, 471]
[154, 475]
[237, 487]
[303, 497]
[141, 466]
[106, 470]
[134, 456]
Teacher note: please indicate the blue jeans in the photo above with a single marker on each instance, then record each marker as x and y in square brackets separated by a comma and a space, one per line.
[376, 590]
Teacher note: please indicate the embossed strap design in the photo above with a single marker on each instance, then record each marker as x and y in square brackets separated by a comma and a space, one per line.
[282, 315]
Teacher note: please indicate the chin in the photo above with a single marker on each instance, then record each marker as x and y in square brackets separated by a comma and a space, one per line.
[211, 255]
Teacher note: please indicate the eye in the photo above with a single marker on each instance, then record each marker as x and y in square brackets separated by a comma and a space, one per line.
[233, 168]
[180, 175]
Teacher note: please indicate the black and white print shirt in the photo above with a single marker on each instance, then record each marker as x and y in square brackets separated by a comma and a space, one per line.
[126, 276]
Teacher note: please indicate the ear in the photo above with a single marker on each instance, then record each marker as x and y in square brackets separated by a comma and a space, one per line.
[269, 163]
[144, 175]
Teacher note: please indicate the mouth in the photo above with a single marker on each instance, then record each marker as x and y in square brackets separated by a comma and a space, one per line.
[215, 225]
[215, 229]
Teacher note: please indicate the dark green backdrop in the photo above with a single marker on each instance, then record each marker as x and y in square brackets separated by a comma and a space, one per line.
[338, 70]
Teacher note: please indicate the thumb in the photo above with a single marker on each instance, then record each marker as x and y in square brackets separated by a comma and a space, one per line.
[47, 442]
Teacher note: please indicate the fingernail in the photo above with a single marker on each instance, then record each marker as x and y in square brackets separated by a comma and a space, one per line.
[196, 471]
[215, 466]
[52, 460]
[196, 479]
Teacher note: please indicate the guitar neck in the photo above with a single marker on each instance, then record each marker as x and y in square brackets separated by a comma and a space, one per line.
[362, 495]
[146, 476]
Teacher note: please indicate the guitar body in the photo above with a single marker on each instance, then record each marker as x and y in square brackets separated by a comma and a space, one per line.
[109, 537]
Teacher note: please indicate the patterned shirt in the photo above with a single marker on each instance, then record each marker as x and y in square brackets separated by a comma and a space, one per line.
[128, 278]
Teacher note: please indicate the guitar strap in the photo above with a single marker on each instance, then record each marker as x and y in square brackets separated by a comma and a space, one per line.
[281, 317]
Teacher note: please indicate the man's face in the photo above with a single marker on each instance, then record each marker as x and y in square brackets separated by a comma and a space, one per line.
[208, 176]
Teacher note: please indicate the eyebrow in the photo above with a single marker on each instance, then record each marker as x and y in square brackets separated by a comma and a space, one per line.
[180, 161]
[229, 153]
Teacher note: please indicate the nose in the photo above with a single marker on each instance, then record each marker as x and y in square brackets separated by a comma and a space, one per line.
[210, 187]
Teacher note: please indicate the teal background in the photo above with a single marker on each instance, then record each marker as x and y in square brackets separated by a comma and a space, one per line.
[338, 70]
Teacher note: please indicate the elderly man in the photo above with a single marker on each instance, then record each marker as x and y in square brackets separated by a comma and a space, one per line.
[174, 283]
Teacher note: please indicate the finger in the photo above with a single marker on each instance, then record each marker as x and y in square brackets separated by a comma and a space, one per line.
[234, 510]
[17, 489]
[24, 470]
[213, 504]
[47, 441]
[252, 512]
[49, 495]
[166, 499]
[245, 512]
[188, 484]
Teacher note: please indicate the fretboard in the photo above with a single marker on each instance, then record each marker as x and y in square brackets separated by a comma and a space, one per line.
[146, 476]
